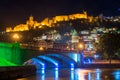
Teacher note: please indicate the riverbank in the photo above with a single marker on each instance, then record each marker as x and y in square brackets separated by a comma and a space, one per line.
[14, 72]
[104, 65]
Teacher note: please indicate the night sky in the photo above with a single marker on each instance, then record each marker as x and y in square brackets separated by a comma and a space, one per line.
[13, 12]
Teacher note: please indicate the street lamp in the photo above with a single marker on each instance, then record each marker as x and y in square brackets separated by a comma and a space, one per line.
[41, 48]
[16, 37]
[80, 50]
[80, 46]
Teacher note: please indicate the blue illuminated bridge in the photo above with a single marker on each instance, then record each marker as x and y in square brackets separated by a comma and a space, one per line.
[56, 60]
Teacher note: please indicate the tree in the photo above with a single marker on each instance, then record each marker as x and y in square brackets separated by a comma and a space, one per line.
[109, 44]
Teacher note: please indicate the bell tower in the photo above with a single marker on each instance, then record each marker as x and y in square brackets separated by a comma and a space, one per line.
[31, 18]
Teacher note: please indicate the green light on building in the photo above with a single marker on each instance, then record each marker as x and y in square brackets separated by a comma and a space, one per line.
[11, 54]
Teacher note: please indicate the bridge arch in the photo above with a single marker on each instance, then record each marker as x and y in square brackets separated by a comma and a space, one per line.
[55, 60]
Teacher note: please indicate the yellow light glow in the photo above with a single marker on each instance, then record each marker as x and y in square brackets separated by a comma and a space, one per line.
[41, 48]
[16, 36]
[80, 46]
[67, 47]
[43, 24]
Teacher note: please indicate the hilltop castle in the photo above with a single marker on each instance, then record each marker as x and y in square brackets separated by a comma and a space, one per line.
[31, 24]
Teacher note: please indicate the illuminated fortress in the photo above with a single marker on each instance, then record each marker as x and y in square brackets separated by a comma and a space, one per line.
[31, 24]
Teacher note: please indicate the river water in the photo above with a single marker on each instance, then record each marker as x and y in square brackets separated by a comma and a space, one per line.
[75, 74]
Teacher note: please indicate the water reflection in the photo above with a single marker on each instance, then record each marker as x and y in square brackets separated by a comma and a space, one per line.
[43, 74]
[40, 74]
[75, 74]
[72, 74]
[116, 74]
[97, 74]
[56, 75]
[81, 74]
